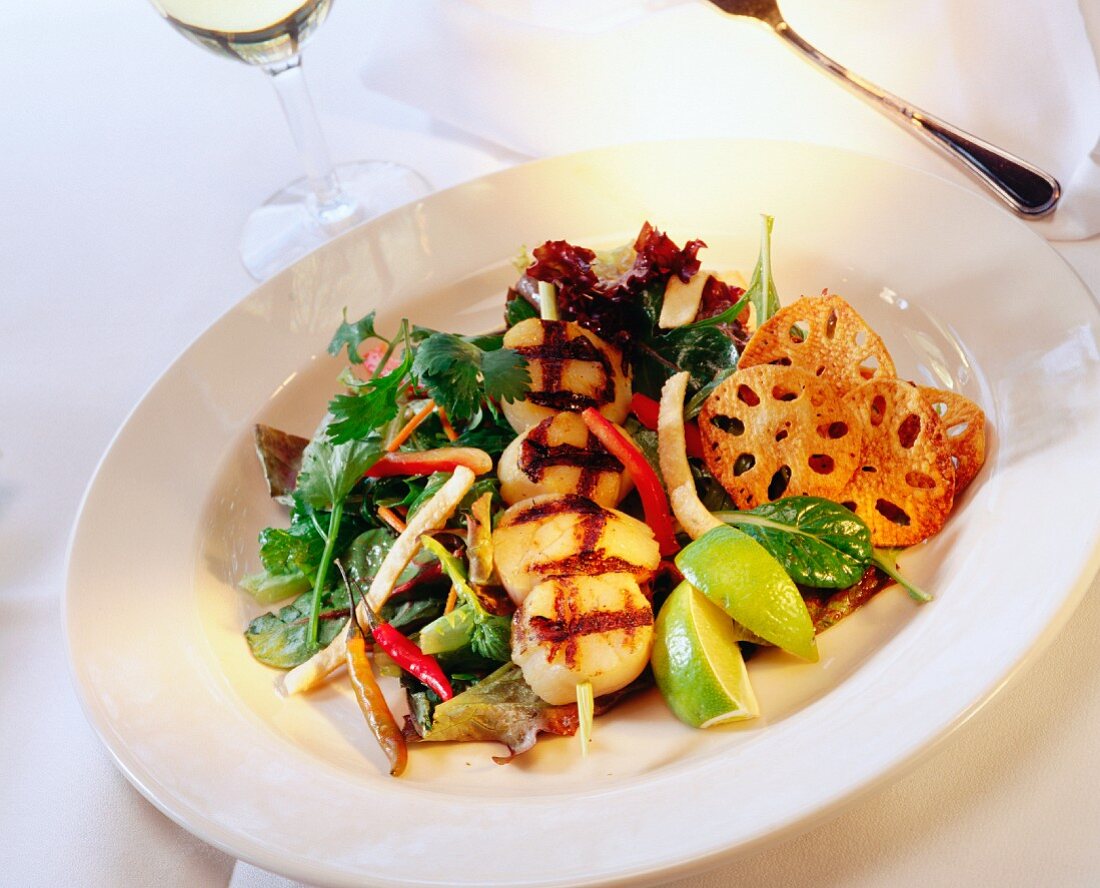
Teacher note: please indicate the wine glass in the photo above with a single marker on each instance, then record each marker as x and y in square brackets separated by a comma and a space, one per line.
[329, 199]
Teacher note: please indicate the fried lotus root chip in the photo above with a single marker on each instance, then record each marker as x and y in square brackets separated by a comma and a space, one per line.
[905, 486]
[772, 431]
[824, 336]
[965, 424]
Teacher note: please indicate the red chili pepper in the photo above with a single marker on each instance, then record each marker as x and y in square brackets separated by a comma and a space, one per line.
[654, 501]
[427, 462]
[647, 410]
[410, 658]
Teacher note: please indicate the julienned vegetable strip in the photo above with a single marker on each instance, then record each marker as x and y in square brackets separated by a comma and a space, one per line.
[391, 518]
[411, 426]
[448, 429]
[586, 705]
[428, 462]
[648, 412]
[372, 702]
[693, 516]
[654, 501]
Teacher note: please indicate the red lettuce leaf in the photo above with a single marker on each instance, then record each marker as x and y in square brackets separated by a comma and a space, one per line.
[280, 455]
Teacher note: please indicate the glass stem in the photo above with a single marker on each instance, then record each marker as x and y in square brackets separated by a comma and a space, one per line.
[331, 203]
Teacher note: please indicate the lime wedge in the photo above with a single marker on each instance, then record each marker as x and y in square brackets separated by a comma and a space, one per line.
[741, 577]
[697, 662]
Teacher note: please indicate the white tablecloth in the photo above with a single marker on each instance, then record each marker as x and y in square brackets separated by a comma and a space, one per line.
[130, 160]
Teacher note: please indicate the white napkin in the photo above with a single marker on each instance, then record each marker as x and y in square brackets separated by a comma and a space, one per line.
[546, 78]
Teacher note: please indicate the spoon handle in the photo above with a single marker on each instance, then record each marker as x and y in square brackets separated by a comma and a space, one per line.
[1025, 188]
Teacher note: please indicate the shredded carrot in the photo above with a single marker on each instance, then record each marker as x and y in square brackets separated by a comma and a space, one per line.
[402, 436]
[448, 429]
[452, 600]
[391, 518]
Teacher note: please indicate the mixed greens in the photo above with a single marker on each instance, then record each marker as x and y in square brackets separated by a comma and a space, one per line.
[421, 408]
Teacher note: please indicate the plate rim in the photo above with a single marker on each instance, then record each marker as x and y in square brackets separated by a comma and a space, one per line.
[210, 831]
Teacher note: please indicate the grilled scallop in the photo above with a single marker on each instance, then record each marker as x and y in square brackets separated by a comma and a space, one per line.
[571, 369]
[569, 536]
[584, 628]
[560, 455]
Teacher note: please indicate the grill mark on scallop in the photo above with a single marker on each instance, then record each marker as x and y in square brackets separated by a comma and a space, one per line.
[593, 460]
[579, 505]
[588, 564]
[562, 632]
[557, 348]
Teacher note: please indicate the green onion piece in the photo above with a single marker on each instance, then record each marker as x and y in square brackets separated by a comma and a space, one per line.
[586, 710]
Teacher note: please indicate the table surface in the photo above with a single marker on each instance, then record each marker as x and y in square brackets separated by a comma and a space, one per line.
[124, 189]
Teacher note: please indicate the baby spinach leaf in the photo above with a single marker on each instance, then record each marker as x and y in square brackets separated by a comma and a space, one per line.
[518, 309]
[818, 542]
[294, 550]
[411, 611]
[281, 638]
[704, 351]
[365, 554]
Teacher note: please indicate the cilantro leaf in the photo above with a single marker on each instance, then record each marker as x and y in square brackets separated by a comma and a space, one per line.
[448, 368]
[505, 374]
[352, 335]
[372, 406]
[491, 637]
[459, 375]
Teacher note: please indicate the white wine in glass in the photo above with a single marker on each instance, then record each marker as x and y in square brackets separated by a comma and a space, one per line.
[329, 199]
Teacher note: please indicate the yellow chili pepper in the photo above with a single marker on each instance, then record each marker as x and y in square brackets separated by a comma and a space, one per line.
[372, 702]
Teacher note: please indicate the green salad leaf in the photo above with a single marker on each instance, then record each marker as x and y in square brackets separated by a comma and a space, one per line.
[500, 708]
[297, 549]
[329, 472]
[352, 335]
[267, 588]
[470, 624]
[819, 543]
[281, 638]
[374, 404]
[886, 560]
[458, 374]
[518, 309]
[761, 292]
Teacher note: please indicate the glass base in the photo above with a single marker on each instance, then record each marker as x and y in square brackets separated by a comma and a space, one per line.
[290, 223]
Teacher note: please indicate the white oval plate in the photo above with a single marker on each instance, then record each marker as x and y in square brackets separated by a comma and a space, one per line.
[964, 295]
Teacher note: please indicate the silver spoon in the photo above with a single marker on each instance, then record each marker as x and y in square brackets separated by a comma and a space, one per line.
[1025, 188]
